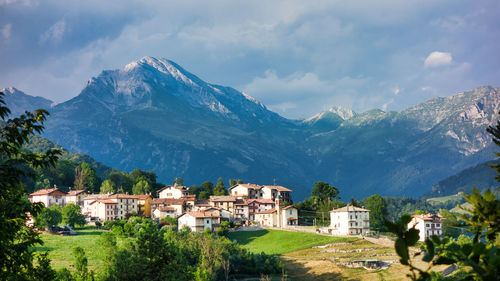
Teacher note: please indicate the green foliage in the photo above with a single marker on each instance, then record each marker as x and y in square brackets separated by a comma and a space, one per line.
[49, 217]
[235, 182]
[179, 181]
[378, 211]
[325, 191]
[478, 258]
[451, 225]
[16, 259]
[43, 271]
[71, 215]
[220, 189]
[141, 187]
[108, 186]
[121, 181]
[86, 178]
[80, 263]
[396, 207]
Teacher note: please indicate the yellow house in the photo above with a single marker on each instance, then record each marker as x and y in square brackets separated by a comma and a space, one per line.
[144, 205]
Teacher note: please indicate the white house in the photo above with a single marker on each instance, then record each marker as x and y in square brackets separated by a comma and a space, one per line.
[428, 225]
[241, 210]
[197, 221]
[167, 207]
[49, 197]
[173, 191]
[278, 217]
[274, 192]
[349, 220]
[103, 209]
[126, 204]
[88, 208]
[259, 205]
[76, 197]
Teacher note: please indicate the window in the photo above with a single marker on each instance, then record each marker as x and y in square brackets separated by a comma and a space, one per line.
[208, 221]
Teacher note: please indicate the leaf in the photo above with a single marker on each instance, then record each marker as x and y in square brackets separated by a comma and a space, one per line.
[412, 236]
[402, 250]
[429, 253]
[444, 260]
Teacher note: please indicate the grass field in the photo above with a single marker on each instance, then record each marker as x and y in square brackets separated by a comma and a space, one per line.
[61, 248]
[277, 242]
[444, 199]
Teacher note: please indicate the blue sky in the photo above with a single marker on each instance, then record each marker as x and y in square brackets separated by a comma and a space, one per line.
[297, 57]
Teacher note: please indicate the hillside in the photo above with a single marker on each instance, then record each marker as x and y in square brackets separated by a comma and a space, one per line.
[155, 115]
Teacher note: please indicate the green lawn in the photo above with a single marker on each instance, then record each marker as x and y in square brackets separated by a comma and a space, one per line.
[445, 199]
[280, 242]
[61, 248]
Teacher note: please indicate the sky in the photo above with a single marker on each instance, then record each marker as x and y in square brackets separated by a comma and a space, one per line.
[297, 57]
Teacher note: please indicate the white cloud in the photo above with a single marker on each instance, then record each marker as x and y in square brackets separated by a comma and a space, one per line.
[396, 91]
[283, 107]
[54, 34]
[436, 59]
[426, 88]
[6, 30]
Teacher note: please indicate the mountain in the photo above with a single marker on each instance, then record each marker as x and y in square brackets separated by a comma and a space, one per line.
[481, 176]
[19, 102]
[155, 115]
[406, 152]
[328, 120]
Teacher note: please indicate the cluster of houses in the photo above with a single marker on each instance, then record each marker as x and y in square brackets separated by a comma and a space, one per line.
[264, 205]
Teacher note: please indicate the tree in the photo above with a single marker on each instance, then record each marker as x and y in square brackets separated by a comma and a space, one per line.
[138, 175]
[378, 211]
[86, 178]
[122, 181]
[16, 239]
[81, 265]
[49, 217]
[325, 191]
[179, 181]
[220, 189]
[72, 215]
[108, 186]
[141, 187]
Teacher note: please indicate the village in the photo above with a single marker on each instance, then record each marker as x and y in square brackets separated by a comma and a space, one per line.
[266, 206]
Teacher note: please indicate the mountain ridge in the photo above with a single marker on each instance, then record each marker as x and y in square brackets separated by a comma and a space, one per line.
[145, 117]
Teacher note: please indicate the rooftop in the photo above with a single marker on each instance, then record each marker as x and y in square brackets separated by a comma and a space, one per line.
[278, 187]
[46, 191]
[222, 198]
[349, 208]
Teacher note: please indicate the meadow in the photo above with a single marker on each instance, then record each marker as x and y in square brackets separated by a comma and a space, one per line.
[61, 248]
[276, 242]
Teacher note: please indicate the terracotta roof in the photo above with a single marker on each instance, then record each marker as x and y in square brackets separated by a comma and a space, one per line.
[270, 211]
[349, 208]
[141, 196]
[429, 217]
[166, 209]
[95, 196]
[122, 196]
[201, 202]
[168, 201]
[76, 192]
[278, 187]
[288, 207]
[46, 191]
[106, 201]
[201, 214]
[222, 198]
[248, 185]
[181, 187]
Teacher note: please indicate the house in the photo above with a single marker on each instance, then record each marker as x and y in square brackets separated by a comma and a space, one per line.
[349, 220]
[197, 221]
[173, 191]
[126, 204]
[278, 217]
[428, 225]
[76, 197]
[167, 207]
[224, 202]
[201, 204]
[144, 205]
[258, 205]
[254, 191]
[103, 209]
[89, 200]
[274, 192]
[49, 197]
[241, 210]
[245, 191]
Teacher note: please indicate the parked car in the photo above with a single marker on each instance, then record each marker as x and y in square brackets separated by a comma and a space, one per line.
[64, 230]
